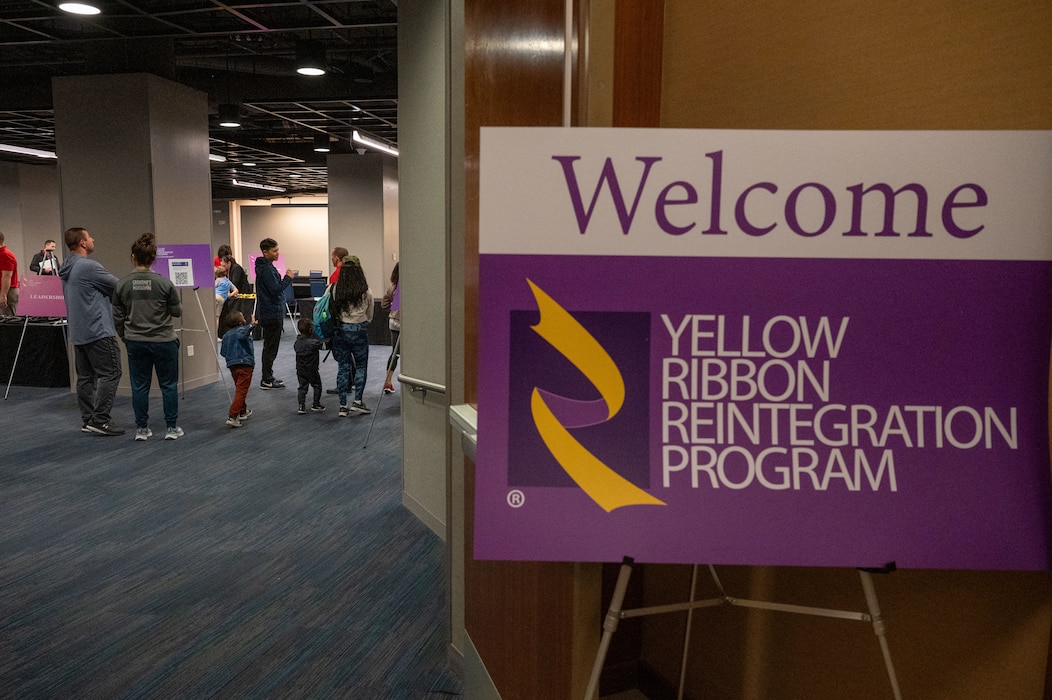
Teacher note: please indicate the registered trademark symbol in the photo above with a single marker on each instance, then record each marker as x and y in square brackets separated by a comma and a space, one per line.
[516, 498]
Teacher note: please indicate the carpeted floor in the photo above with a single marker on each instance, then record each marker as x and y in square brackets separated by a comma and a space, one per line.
[270, 561]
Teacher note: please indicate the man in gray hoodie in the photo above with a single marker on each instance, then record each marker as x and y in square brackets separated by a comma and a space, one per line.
[87, 287]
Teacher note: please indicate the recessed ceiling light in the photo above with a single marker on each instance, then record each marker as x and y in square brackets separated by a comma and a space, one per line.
[310, 57]
[229, 116]
[79, 8]
[250, 165]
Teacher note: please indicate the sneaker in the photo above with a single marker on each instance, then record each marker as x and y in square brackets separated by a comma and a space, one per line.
[142, 433]
[233, 422]
[344, 411]
[302, 410]
[246, 414]
[173, 433]
[272, 384]
[359, 407]
[104, 428]
[317, 408]
[84, 427]
[388, 388]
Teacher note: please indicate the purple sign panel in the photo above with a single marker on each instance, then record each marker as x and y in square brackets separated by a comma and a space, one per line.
[784, 406]
[186, 265]
[41, 295]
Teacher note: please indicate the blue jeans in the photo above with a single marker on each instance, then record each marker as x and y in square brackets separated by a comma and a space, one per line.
[350, 346]
[143, 359]
[98, 373]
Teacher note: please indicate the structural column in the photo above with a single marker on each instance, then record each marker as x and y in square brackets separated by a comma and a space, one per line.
[133, 158]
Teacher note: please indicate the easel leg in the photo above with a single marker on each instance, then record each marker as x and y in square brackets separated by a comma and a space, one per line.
[613, 617]
[18, 351]
[686, 633]
[878, 629]
[212, 342]
[379, 401]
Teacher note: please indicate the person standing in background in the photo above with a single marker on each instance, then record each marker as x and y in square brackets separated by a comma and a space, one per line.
[221, 252]
[352, 303]
[270, 309]
[240, 360]
[336, 257]
[87, 287]
[8, 280]
[393, 304]
[236, 274]
[46, 261]
[144, 304]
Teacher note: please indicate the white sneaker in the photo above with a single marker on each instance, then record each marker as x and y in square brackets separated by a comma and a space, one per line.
[173, 433]
[143, 433]
[234, 422]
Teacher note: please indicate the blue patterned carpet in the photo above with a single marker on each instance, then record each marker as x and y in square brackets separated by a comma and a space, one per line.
[271, 561]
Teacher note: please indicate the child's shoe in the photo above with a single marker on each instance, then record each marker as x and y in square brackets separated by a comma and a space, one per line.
[344, 411]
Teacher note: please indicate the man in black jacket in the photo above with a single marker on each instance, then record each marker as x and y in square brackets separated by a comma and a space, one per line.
[270, 309]
[45, 262]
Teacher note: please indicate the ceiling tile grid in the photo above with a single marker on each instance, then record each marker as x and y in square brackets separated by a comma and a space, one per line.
[236, 51]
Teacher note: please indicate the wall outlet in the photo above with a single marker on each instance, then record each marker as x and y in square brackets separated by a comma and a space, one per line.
[189, 350]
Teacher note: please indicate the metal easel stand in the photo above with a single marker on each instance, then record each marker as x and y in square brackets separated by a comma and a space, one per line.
[18, 351]
[211, 341]
[380, 400]
[615, 614]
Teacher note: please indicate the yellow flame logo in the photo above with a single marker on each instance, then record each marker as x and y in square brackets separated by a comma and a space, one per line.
[602, 484]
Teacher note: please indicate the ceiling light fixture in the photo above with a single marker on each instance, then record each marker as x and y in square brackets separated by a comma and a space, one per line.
[216, 158]
[321, 143]
[79, 8]
[373, 143]
[27, 151]
[258, 186]
[311, 58]
[230, 116]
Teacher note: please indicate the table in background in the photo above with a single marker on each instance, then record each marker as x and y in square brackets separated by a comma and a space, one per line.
[43, 360]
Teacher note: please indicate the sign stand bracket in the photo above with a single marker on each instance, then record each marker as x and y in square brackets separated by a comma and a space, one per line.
[615, 614]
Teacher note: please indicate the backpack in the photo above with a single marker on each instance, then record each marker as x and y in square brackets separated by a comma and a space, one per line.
[324, 323]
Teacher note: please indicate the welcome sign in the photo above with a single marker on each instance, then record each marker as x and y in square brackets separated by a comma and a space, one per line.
[751, 347]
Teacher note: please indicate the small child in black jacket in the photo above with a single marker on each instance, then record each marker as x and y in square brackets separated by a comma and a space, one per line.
[308, 346]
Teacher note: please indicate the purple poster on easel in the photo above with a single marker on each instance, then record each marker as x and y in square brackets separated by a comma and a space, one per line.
[766, 348]
[41, 295]
[186, 265]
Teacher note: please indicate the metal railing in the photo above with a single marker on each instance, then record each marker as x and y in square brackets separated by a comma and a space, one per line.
[421, 384]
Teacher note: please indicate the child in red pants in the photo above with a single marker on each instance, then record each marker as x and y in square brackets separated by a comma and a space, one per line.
[241, 361]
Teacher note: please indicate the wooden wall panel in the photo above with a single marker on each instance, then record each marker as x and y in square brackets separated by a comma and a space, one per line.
[638, 40]
[520, 615]
[899, 64]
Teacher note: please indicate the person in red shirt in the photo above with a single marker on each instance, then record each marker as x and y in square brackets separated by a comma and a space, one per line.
[8, 280]
[336, 256]
[222, 252]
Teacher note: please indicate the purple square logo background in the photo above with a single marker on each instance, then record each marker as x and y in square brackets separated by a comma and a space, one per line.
[621, 443]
